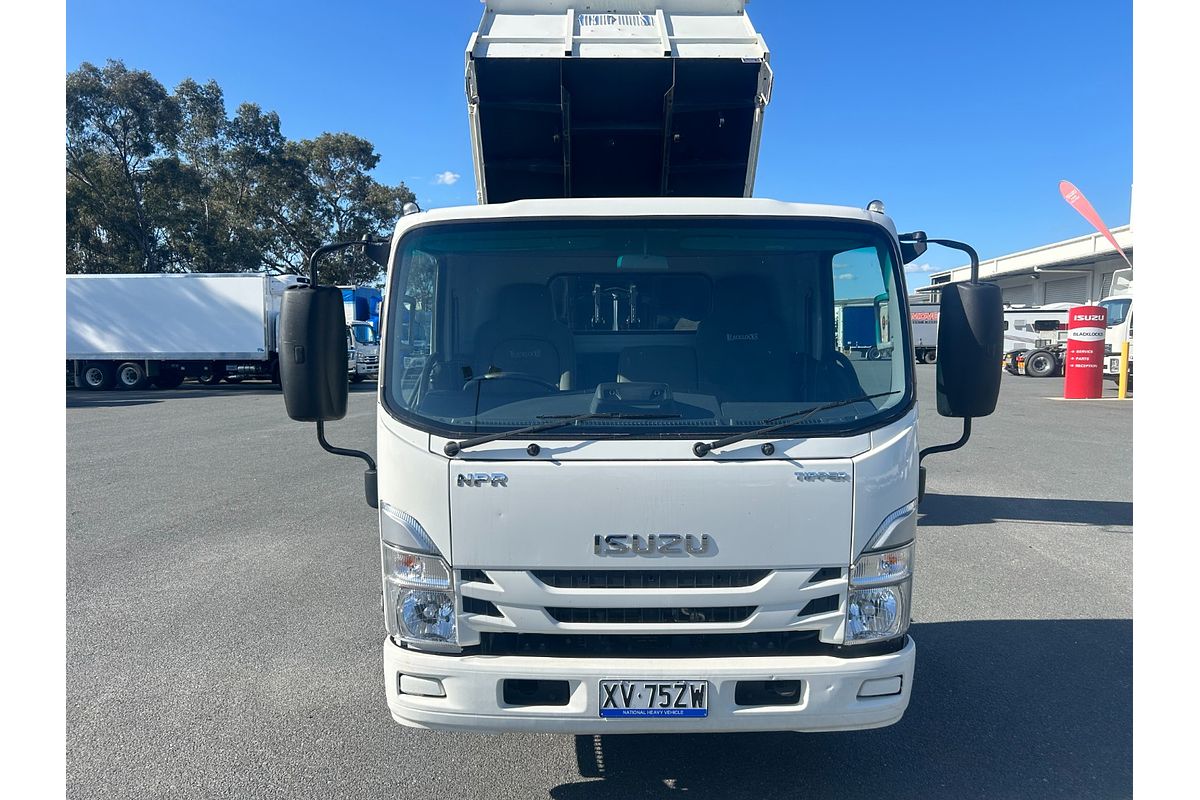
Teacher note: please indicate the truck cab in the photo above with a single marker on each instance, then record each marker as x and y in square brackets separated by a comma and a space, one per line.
[524, 569]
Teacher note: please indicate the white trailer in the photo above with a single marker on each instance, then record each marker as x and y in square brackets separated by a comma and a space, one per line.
[678, 510]
[131, 331]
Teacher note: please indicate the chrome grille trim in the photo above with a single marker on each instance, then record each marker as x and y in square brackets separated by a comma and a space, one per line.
[527, 605]
[650, 578]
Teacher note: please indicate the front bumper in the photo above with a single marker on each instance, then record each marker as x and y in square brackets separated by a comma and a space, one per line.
[474, 696]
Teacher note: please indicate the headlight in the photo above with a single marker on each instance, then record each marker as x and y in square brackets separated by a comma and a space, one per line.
[876, 614]
[419, 600]
[879, 603]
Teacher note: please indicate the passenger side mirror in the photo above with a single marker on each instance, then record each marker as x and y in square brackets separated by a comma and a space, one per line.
[970, 341]
[312, 353]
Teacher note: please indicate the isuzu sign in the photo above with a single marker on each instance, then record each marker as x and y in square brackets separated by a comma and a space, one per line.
[656, 544]
[1084, 363]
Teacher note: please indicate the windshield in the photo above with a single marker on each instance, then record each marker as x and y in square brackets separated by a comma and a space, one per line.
[1117, 310]
[363, 334]
[659, 327]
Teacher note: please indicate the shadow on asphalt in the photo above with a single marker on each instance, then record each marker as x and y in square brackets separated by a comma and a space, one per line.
[1000, 709]
[952, 509]
[117, 398]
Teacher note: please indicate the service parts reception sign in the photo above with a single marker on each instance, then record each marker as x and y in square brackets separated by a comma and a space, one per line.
[1085, 352]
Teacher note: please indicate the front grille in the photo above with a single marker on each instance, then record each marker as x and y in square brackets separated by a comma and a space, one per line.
[651, 578]
[659, 645]
[368, 360]
[670, 645]
[656, 616]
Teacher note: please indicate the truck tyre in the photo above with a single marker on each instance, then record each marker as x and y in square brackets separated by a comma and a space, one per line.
[97, 376]
[356, 378]
[131, 375]
[233, 378]
[930, 357]
[168, 379]
[873, 353]
[1040, 364]
[589, 756]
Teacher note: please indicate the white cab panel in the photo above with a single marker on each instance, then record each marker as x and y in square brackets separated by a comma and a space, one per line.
[546, 514]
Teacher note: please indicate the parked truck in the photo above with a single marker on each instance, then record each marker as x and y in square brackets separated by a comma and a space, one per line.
[1119, 305]
[366, 345]
[134, 331]
[923, 320]
[854, 323]
[362, 305]
[694, 514]
[1035, 339]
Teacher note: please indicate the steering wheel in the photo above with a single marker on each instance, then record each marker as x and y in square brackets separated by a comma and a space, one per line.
[512, 376]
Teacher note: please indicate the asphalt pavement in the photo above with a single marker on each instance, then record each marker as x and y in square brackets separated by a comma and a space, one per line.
[224, 636]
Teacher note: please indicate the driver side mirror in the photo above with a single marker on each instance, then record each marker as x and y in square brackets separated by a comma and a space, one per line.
[970, 341]
[312, 353]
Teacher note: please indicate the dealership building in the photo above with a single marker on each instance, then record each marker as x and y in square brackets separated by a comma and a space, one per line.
[1078, 270]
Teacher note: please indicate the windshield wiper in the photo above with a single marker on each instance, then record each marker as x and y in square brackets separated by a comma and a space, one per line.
[454, 448]
[701, 449]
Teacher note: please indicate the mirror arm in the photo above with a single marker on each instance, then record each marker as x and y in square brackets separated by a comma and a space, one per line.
[370, 477]
[341, 451]
[946, 448]
[966, 248]
[366, 242]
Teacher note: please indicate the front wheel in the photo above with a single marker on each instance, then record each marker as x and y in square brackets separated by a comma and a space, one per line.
[97, 376]
[1040, 364]
[356, 378]
[930, 357]
[210, 376]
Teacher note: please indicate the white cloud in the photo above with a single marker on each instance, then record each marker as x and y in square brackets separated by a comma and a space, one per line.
[846, 276]
[921, 268]
[446, 178]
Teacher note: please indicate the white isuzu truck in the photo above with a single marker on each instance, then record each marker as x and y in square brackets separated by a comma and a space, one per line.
[626, 481]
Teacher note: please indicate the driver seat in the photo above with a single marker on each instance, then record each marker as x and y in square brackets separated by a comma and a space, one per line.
[524, 337]
[743, 344]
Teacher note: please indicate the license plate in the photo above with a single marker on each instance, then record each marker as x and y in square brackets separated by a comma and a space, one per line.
[654, 698]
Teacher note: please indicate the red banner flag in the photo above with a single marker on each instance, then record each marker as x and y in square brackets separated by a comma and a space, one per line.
[1077, 201]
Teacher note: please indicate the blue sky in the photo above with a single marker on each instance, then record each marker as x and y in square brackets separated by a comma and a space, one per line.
[961, 117]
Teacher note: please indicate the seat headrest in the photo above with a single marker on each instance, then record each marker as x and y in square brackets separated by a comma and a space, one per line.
[743, 311]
